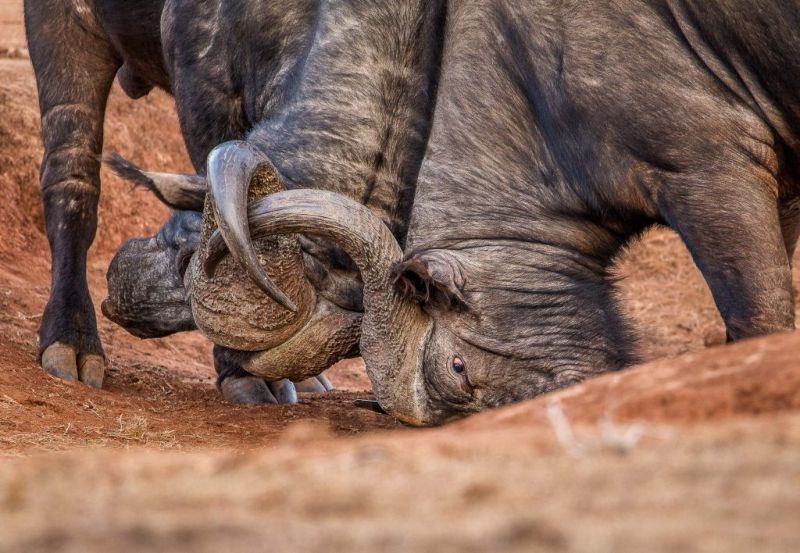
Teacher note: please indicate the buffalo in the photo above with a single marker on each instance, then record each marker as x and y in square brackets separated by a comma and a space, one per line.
[481, 163]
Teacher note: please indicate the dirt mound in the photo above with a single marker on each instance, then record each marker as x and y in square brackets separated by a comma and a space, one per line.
[531, 477]
[691, 452]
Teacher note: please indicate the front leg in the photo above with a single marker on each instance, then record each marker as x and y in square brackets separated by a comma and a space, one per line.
[729, 220]
[75, 66]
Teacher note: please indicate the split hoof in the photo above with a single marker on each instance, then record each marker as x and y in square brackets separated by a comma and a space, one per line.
[325, 382]
[61, 361]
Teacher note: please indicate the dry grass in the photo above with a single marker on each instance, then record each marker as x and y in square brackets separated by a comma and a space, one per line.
[135, 430]
[712, 489]
[128, 431]
[730, 485]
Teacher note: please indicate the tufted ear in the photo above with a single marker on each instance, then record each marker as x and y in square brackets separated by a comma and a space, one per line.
[434, 278]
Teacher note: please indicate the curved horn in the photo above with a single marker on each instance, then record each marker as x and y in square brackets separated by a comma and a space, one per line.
[353, 226]
[230, 168]
[178, 191]
[394, 328]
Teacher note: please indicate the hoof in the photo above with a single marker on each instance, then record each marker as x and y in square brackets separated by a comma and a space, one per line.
[284, 391]
[92, 369]
[325, 382]
[316, 385]
[59, 360]
[247, 390]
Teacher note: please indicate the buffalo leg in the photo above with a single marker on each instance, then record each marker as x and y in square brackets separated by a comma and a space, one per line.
[736, 239]
[75, 66]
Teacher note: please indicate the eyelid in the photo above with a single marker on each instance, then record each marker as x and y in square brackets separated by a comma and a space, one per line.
[463, 379]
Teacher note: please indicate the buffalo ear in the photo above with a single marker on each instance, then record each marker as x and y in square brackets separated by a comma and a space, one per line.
[433, 278]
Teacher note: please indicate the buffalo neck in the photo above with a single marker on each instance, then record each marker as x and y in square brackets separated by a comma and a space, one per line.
[356, 119]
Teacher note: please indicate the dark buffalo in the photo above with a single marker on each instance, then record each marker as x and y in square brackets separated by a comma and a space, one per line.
[353, 123]
[561, 131]
[534, 138]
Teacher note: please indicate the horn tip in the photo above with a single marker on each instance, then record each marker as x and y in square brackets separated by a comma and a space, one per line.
[286, 302]
[369, 405]
[262, 280]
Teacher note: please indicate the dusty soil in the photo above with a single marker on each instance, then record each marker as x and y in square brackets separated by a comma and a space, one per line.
[696, 450]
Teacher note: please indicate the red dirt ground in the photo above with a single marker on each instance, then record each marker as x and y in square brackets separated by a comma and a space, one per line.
[696, 450]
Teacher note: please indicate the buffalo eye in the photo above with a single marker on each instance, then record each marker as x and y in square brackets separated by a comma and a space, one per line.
[458, 371]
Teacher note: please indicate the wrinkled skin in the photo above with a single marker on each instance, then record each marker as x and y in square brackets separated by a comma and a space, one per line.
[612, 142]
[146, 285]
[155, 290]
[146, 295]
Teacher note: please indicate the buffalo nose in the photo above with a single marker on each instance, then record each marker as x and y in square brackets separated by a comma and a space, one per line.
[107, 310]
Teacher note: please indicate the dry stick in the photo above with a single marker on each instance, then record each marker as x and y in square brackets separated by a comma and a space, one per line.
[617, 438]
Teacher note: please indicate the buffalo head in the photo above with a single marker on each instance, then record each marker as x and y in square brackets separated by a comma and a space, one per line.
[447, 332]
[146, 293]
